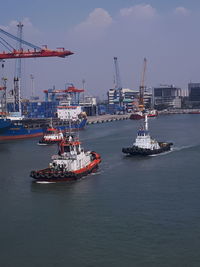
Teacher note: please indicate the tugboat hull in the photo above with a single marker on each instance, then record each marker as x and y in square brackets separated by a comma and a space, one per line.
[48, 142]
[51, 175]
[134, 150]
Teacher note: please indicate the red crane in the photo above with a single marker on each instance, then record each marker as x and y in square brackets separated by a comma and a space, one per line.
[71, 90]
[35, 52]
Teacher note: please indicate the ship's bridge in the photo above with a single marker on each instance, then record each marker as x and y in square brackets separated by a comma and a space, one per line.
[143, 133]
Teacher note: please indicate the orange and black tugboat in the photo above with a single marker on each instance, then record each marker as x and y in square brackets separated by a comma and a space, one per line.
[71, 163]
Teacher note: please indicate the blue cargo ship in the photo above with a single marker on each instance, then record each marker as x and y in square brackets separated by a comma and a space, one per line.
[4, 123]
[27, 128]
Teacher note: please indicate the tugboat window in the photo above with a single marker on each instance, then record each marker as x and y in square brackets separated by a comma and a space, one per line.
[67, 149]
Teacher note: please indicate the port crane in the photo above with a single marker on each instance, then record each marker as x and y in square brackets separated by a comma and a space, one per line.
[35, 51]
[142, 86]
[71, 90]
[118, 85]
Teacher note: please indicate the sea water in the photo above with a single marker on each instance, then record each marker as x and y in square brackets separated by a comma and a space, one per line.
[139, 211]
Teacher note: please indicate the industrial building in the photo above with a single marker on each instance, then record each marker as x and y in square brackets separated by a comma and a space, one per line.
[123, 99]
[194, 91]
[192, 100]
[127, 98]
[166, 96]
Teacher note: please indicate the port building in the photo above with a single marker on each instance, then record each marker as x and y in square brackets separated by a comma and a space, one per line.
[126, 99]
[166, 96]
[194, 91]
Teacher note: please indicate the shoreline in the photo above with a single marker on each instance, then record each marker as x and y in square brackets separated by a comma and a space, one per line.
[106, 118]
[110, 118]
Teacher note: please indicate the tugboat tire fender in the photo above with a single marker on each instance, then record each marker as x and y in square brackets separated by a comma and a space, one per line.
[62, 175]
[37, 175]
[32, 174]
[48, 175]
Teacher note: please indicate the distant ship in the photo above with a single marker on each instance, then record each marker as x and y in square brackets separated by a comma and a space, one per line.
[144, 145]
[20, 128]
[138, 115]
[51, 136]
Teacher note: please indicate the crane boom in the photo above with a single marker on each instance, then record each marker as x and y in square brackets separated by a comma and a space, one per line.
[141, 92]
[36, 52]
[117, 74]
[31, 54]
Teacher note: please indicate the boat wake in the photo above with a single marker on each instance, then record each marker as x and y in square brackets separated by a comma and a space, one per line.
[44, 182]
[41, 144]
[162, 154]
[95, 173]
[183, 147]
[174, 149]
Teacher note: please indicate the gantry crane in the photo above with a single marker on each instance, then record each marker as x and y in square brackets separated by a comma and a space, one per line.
[19, 53]
[72, 91]
[3, 101]
[142, 86]
[35, 52]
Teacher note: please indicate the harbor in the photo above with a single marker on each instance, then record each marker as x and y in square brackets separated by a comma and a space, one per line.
[123, 212]
[107, 118]
[99, 135]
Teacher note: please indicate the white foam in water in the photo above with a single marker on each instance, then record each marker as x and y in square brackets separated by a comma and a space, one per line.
[172, 150]
[44, 182]
[41, 144]
[162, 154]
[95, 173]
[182, 147]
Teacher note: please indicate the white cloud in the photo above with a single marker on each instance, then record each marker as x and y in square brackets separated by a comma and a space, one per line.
[139, 12]
[98, 18]
[12, 26]
[29, 32]
[182, 11]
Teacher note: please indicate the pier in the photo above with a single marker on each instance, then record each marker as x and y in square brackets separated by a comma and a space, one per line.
[179, 111]
[107, 118]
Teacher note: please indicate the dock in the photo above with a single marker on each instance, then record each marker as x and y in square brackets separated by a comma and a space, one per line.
[107, 118]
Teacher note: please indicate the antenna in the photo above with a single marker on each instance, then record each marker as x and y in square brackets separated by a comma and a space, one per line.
[70, 125]
[32, 85]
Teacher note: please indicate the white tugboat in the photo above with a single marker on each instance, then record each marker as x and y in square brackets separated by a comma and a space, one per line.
[51, 136]
[145, 145]
[71, 163]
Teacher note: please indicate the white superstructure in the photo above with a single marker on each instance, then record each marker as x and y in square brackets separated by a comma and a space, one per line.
[53, 135]
[144, 140]
[71, 156]
[65, 112]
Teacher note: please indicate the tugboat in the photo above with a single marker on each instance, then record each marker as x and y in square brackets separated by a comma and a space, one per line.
[71, 163]
[51, 136]
[144, 145]
[138, 115]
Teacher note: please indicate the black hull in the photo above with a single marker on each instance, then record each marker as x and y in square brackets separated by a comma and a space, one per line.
[60, 176]
[52, 175]
[134, 151]
[43, 142]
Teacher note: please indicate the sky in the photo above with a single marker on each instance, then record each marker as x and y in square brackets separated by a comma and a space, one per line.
[165, 32]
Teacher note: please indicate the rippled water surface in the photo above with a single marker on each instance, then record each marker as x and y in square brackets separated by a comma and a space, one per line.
[132, 212]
